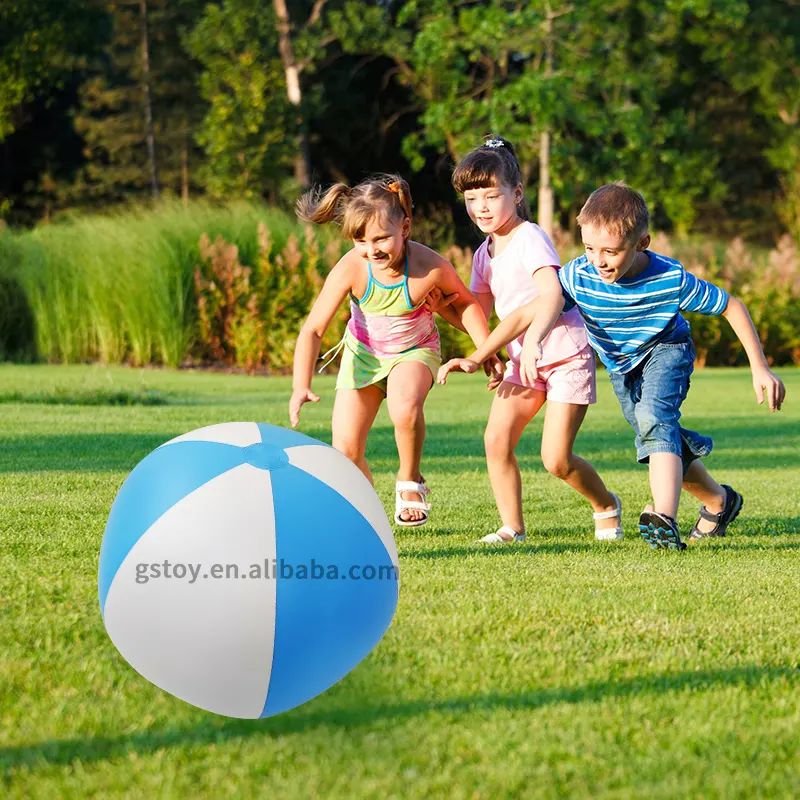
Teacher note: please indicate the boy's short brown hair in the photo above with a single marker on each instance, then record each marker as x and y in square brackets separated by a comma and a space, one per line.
[617, 208]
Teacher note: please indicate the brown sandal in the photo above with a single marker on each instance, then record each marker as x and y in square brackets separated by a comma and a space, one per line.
[733, 505]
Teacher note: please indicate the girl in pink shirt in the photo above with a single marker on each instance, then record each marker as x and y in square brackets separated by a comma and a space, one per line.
[517, 263]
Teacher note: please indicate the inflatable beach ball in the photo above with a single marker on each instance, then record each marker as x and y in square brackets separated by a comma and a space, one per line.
[245, 568]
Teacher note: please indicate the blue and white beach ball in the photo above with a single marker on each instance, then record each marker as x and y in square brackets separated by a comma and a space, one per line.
[245, 568]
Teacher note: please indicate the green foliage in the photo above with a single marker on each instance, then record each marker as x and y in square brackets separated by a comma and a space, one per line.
[656, 100]
[232, 285]
[16, 319]
[768, 283]
[121, 288]
[250, 316]
[695, 102]
[111, 118]
[39, 41]
[244, 129]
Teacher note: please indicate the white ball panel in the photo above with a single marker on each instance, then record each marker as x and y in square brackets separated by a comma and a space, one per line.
[241, 434]
[209, 643]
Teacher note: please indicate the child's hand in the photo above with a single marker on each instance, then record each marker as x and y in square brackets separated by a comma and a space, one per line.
[530, 356]
[300, 396]
[435, 300]
[494, 369]
[765, 380]
[464, 364]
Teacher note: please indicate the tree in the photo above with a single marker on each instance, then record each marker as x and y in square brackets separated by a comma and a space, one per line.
[140, 106]
[585, 108]
[761, 64]
[293, 69]
[255, 60]
[146, 78]
[245, 130]
[40, 40]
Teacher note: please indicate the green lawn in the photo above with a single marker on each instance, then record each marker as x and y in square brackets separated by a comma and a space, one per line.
[558, 668]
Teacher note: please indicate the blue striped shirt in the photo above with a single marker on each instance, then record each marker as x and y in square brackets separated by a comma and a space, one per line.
[627, 319]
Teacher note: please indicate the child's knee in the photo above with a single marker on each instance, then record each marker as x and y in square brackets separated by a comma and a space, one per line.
[405, 414]
[354, 450]
[497, 442]
[557, 464]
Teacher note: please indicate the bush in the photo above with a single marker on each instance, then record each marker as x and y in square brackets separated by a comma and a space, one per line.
[232, 285]
[250, 316]
[16, 322]
[120, 288]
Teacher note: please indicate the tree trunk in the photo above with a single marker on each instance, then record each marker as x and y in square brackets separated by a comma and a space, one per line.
[545, 216]
[302, 161]
[545, 190]
[148, 106]
[185, 172]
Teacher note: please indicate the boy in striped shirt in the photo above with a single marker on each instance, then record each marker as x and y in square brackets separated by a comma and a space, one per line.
[630, 299]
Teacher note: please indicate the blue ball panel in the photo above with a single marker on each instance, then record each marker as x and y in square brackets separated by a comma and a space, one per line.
[159, 481]
[323, 627]
[283, 437]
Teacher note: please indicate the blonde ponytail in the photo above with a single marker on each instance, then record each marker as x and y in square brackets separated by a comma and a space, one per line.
[385, 195]
[321, 207]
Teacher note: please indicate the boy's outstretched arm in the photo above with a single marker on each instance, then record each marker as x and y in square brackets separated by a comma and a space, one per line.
[764, 379]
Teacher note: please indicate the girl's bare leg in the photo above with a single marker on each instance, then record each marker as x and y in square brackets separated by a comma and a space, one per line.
[513, 408]
[562, 421]
[354, 411]
[407, 387]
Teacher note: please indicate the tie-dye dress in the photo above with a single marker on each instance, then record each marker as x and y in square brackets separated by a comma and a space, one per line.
[385, 330]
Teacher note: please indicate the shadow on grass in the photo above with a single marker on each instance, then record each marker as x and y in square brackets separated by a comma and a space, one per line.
[97, 397]
[532, 547]
[492, 551]
[755, 546]
[446, 448]
[89, 750]
[78, 452]
[762, 528]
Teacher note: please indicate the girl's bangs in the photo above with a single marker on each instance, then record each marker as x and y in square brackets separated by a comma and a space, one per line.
[477, 171]
[355, 221]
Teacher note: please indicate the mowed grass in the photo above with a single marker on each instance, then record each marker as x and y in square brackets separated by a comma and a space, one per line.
[558, 668]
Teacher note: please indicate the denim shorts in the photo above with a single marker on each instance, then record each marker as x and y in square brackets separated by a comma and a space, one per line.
[651, 395]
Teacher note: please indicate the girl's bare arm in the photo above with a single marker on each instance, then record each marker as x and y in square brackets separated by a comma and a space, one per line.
[337, 285]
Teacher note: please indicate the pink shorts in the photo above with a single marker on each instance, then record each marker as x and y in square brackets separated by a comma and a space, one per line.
[569, 381]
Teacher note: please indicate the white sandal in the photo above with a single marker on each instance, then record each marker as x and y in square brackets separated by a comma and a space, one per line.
[401, 505]
[496, 538]
[609, 534]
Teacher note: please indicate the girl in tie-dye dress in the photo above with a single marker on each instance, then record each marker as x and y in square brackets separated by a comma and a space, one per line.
[390, 349]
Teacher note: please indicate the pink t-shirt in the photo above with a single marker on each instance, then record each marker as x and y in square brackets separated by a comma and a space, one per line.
[509, 277]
